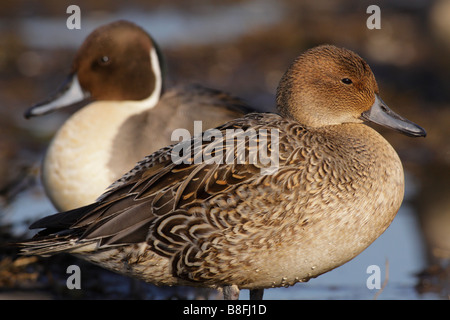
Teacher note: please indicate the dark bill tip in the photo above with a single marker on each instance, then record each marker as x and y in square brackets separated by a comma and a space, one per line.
[68, 94]
[380, 113]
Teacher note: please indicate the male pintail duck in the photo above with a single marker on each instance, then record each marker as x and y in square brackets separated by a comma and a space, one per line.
[338, 186]
[118, 70]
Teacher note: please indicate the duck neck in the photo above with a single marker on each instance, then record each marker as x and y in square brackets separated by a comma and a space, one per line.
[152, 100]
[82, 146]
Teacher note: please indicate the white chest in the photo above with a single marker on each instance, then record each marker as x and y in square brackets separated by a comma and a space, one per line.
[75, 169]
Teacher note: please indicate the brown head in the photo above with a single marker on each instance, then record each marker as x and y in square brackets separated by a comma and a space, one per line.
[328, 85]
[114, 63]
[117, 61]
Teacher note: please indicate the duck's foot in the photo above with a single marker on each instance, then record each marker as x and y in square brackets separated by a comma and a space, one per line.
[231, 292]
[256, 294]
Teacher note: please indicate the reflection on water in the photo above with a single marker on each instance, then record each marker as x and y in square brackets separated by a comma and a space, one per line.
[29, 206]
[433, 209]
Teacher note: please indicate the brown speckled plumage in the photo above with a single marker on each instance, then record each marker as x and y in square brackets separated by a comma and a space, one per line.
[337, 188]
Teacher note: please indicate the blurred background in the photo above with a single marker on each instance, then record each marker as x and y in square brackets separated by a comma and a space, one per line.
[242, 47]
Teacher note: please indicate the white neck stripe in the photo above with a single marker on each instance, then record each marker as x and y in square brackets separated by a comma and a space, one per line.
[152, 100]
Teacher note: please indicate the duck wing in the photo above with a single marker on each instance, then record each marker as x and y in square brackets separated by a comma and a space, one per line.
[150, 203]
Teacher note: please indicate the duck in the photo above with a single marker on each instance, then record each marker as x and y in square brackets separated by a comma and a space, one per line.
[117, 77]
[228, 224]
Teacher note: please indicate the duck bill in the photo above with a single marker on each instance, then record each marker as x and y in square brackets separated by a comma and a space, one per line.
[380, 114]
[68, 94]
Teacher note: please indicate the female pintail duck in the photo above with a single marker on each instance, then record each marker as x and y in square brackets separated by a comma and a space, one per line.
[338, 186]
[118, 70]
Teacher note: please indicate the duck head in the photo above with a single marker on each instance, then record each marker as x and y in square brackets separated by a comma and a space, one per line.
[328, 85]
[118, 61]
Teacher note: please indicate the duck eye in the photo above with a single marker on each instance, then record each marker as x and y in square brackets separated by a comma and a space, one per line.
[347, 81]
[104, 60]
